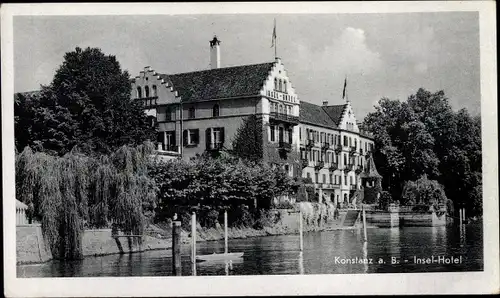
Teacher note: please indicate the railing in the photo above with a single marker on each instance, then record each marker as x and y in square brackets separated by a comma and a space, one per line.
[334, 166]
[359, 170]
[285, 146]
[319, 165]
[304, 163]
[338, 148]
[284, 117]
[148, 102]
[352, 150]
[309, 143]
[325, 146]
[348, 167]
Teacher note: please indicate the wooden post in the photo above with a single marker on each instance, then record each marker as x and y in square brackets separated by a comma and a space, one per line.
[460, 212]
[301, 231]
[225, 232]
[193, 244]
[176, 248]
[364, 223]
[464, 214]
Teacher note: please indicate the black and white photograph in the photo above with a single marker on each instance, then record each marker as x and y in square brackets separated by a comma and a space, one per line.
[206, 146]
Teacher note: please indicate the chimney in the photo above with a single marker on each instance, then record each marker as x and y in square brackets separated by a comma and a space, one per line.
[215, 53]
[325, 103]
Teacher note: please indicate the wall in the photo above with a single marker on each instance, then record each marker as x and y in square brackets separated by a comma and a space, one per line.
[413, 219]
[382, 218]
[30, 245]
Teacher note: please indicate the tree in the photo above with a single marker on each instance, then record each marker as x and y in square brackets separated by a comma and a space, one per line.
[87, 105]
[424, 192]
[247, 143]
[424, 136]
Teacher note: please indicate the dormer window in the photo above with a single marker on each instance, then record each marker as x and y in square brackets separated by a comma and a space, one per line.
[215, 111]
[154, 91]
[146, 91]
[139, 92]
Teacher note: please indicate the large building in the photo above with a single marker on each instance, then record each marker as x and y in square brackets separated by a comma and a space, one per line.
[201, 111]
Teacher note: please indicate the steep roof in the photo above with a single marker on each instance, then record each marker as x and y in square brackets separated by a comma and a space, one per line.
[335, 112]
[237, 81]
[314, 114]
[371, 170]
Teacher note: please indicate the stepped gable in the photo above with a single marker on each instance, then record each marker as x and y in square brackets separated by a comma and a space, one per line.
[219, 83]
[335, 112]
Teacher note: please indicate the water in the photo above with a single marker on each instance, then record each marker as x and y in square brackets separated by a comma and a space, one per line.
[324, 253]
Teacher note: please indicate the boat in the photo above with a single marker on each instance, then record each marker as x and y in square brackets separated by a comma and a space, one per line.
[232, 256]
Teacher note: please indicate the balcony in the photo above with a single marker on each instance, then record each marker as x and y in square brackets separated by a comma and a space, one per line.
[319, 165]
[334, 166]
[328, 186]
[148, 102]
[359, 170]
[215, 146]
[352, 150]
[338, 148]
[309, 143]
[353, 186]
[280, 117]
[325, 146]
[304, 163]
[348, 167]
[285, 146]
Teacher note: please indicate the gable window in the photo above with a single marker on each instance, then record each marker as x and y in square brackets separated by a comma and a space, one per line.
[191, 137]
[146, 91]
[191, 113]
[155, 91]
[280, 85]
[275, 83]
[215, 111]
[139, 92]
[284, 86]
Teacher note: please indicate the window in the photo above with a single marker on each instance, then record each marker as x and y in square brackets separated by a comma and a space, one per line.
[139, 92]
[272, 129]
[350, 180]
[191, 137]
[316, 178]
[280, 85]
[280, 109]
[214, 137]
[146, 91]
[345, 141]
[290, 136]
[322, 137]
[168, 114]
[345, 180]
[331, 179]
[154, 91]
[324, 178]
[275, 83]
[215, 111]
[300, 133]
[345, 159]
[350, 141]
[308, 175]
[191, 113]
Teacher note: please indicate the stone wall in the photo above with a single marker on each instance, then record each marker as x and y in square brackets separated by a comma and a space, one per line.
[382, 218]
[30, 245]
[413, 219]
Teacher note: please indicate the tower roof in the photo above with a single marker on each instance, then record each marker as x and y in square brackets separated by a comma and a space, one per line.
[371, 170]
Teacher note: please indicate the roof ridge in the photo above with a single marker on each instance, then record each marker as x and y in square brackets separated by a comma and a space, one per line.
[214, 69]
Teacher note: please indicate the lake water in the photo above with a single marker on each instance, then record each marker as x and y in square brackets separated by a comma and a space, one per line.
[329, 252]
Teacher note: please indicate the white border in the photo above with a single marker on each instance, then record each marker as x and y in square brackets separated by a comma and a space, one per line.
[409, 283]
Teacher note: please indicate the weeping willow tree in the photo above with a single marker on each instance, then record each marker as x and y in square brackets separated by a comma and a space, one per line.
[67, 194]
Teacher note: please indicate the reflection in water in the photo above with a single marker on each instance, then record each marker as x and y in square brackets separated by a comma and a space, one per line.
[329, 252]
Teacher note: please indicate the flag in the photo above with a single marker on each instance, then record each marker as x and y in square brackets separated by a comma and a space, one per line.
[274, 35]
[345, 85]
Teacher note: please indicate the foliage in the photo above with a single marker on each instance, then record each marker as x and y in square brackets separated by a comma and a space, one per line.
[75, 191]
[247, 143]
[424, 136]
[372, 193]
[207, 184]
[87, 105]
[423, 192]
[384, 200]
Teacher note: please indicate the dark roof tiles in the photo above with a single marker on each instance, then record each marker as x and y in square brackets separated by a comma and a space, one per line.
[238, 81]
[314, 114]
[335, 112]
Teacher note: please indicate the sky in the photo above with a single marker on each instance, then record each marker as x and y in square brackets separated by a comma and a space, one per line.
[382, 54]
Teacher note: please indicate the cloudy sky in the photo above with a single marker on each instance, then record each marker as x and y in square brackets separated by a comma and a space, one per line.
[382, 55]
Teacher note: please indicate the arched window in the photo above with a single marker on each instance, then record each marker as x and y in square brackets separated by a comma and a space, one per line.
[146, 91]
[284, 86]
[275, 83]
[154, 91]
[280, 109]
[215, 111]
[139, 92]
[280, 85]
